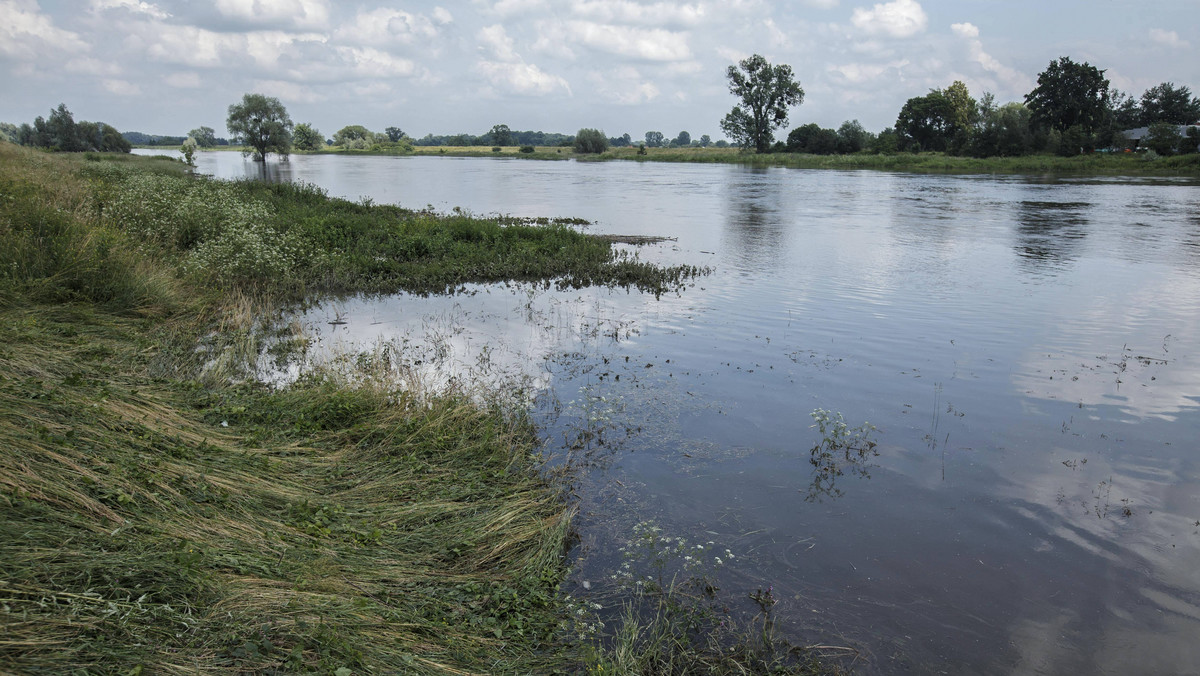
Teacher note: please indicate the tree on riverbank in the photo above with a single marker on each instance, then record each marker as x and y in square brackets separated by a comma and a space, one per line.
[766, 93]
[261, 124]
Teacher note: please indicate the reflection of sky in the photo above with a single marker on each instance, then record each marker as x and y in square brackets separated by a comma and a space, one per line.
[980, 323]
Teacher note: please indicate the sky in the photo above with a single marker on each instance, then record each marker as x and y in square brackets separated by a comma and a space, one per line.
[623, 66]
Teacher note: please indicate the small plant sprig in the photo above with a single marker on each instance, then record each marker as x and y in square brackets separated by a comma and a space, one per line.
[841, 449]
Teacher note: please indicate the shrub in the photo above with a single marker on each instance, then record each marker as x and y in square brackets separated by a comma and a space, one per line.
[495, 149]
[590, 141]
[527, 149]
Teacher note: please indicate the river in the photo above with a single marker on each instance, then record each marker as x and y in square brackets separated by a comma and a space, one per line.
[1026, 348]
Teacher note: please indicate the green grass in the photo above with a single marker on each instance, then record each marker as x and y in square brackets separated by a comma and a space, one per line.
[1095, 164]
[162, 511]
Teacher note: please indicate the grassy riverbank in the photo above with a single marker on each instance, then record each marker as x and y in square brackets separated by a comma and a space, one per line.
[163, 512]
[1094, 164]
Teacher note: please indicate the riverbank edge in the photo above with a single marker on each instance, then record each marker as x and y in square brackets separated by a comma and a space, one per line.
[161, 512]
[1107, 165]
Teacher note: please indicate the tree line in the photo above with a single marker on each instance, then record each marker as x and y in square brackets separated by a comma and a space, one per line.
[1073, 110]
[62, 133]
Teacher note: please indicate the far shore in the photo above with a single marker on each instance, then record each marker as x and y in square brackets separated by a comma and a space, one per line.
[1092, 164]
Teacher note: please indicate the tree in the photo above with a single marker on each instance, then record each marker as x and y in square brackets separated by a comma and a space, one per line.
[307, 137]
[683, 140]
[501, 135]
[590, 141]
[654, 139]
[394, 134]
[1168, 103]
[261, 124]
[189, 151]
[766, 93]
[205, 137]
[1069, 94]
[354, 137]
[812, 139]
[1163, 138]
[705, 140]
[927, 122]
[60, 131]
[851, 137]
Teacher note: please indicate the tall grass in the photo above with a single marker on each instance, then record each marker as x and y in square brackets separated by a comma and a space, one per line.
[162, 513]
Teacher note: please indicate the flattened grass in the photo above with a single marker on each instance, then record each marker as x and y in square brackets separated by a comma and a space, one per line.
[161, 513]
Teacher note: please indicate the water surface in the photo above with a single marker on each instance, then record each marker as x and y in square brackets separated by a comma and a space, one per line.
[1027, 348]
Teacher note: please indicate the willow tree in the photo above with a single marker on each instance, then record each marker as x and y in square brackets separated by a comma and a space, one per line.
[261, 124]
[766, 93]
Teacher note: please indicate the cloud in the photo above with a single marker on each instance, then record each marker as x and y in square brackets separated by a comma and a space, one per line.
[149, 9]
[521, 78]
[26, 33]
[121, 87]
[506, 8]
[297, 13]
[623, 86]
[899, 19]
[1015, 81]
[288, 91]
[1168, 38]
[442, 16]
[373, 63]
[821, 4]
[495, 41]
[627, 12]
[384, 26]
[87, 65]
[649, 45]
[198, 47]
[777, 37]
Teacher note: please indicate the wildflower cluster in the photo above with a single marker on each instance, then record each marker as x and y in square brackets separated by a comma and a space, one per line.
[670, 560]
[583, 621]
[219, 230]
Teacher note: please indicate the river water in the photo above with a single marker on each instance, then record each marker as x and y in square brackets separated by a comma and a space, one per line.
[1027, 350]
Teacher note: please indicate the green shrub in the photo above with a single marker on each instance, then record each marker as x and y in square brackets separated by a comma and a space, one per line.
[527, 149]
[591, 141]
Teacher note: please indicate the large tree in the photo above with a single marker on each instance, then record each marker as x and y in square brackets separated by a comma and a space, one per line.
[927, 122]
[501, 135]
[766, 93]
[1069, 94]
[261, 124]
[1168, 103]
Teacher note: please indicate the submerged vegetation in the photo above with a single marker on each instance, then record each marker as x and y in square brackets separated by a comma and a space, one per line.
[162, 512]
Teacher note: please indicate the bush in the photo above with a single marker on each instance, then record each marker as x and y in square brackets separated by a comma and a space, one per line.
[590, 141]
[1163, 138]
[496, 149]
[527, 149]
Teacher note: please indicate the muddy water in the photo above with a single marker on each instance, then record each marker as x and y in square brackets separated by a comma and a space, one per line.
[1027, 349]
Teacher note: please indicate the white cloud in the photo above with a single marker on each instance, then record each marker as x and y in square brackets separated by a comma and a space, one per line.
[495, 41]
[1168, 38]
[778, 37]
[623, 86]
[628, 12]
[650, 45]
[26, 33]
[442, 16]
[87, 65]
[732, 55]
[521, 78]
[821, 4]
[506, 8]
[298, 13]
[121, 87]
[374, 63]
[1014, 81]
[965, 30]
[899, 19]
[384, 26]
[198, 47]
[290, 92]
[149, 9]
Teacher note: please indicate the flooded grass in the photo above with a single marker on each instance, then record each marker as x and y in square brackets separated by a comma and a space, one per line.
[163, 511]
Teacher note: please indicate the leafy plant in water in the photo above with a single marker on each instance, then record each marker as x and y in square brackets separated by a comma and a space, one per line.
[841, 449]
